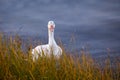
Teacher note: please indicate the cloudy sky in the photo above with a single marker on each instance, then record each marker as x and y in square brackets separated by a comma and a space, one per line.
[96, 22]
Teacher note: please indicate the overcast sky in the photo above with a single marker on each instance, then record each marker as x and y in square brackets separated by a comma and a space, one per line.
[94, 21]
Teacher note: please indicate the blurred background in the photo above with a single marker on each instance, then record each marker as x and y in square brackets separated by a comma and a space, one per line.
[94, 24]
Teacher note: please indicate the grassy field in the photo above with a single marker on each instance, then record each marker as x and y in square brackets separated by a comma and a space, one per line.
[15, 64]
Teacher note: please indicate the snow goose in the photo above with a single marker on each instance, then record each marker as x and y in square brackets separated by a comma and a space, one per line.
[50, 48]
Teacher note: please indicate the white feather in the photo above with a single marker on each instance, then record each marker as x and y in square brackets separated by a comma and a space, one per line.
[50, 48]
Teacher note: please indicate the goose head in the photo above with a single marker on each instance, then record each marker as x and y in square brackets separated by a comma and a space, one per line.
[51, 26]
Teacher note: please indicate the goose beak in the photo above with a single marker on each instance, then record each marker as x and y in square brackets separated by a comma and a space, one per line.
[51, 28]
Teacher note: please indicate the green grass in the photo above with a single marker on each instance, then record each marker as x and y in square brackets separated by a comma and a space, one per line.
[18, 65]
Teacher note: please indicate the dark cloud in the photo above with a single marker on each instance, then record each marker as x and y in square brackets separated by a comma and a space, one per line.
[92, 21]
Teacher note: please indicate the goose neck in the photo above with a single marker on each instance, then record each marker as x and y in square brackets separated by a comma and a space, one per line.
[51, 38]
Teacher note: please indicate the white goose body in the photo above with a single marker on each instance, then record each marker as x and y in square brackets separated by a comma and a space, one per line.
[50, 48]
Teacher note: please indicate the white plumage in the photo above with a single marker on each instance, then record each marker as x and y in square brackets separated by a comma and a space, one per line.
[50, 48]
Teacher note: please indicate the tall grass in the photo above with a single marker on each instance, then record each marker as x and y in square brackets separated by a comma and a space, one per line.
[18, 65]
